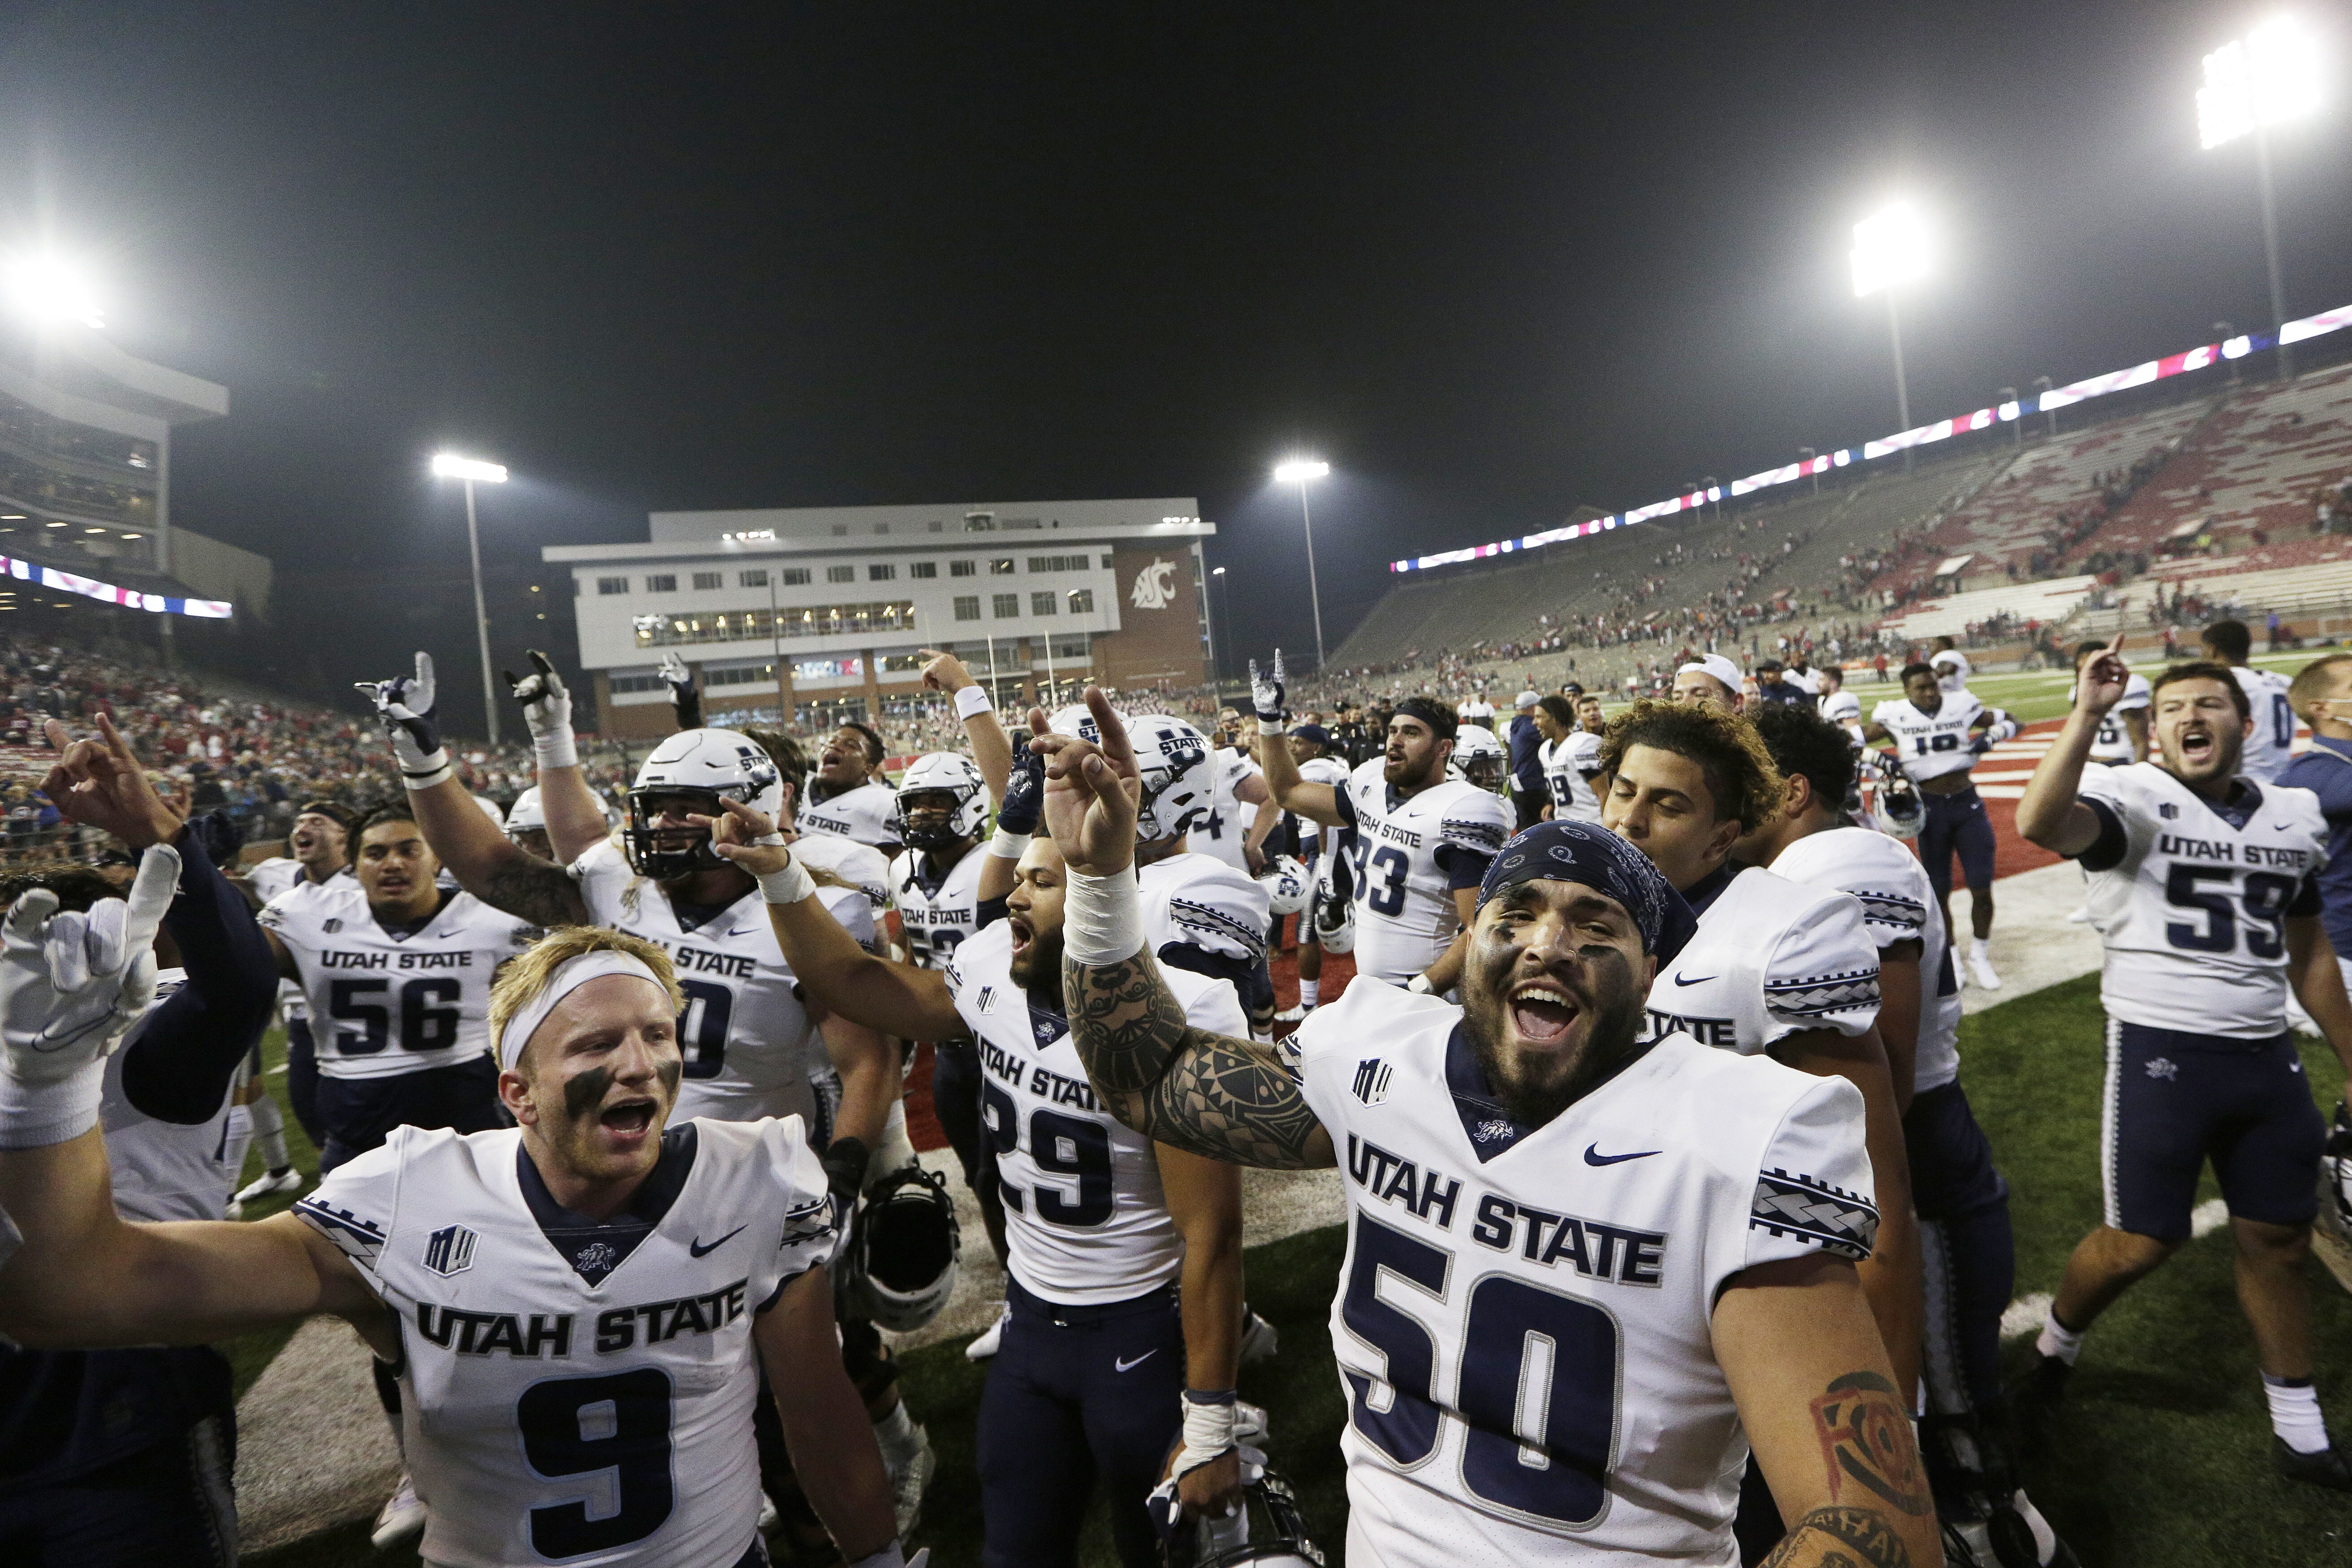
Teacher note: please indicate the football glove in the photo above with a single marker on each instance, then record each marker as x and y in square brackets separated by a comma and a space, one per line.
[1024, 792]
[685, 698]
[845, 1162]
[1266, 693]
[71, 985]
[404, 706]
[546, 712]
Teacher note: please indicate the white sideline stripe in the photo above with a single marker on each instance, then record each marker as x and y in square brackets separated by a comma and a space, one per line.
[2013, 776]
[2002, 791]
[2025, 1315]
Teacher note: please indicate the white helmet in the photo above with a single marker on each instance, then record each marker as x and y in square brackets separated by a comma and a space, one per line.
[490, 810]
[903, 1252]
[526, 813]
[1285, 880]
[706, 765]
[1179, 784]
[1273, 1532]
[956, 775]
[1480, 757]
[1335, 905]
[1901, 812]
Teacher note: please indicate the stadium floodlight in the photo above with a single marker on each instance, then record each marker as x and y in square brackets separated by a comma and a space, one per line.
[1891, 250]
[2270, 78]
[49, 290]
[471, 470]
[1298, 471]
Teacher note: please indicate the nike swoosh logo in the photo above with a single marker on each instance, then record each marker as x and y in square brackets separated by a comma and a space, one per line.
[1697, 981]
[699, 1249]
[1120, 1365]
[1594, 1156]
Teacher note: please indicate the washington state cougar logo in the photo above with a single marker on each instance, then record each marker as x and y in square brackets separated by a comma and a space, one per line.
[1155, 585]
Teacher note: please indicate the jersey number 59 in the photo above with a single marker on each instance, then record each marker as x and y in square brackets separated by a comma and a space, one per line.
[2266, 898]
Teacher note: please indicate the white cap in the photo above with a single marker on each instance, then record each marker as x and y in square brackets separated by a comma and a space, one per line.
[1721, 668]
[1526, 699]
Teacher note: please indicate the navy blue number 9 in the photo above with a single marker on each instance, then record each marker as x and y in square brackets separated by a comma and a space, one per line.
[1066, 1147]
[2267, 896]
[575, 1426]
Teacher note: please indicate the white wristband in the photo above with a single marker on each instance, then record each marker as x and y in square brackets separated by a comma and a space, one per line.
[35, 1115]
[1102, 918]
[557, 750]
[1209, 1433]
[972, 701]
[789, 885]
[1007, 846]
[1419, 985]
[436, 771]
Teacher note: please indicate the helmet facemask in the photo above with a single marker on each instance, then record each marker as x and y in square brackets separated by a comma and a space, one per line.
[934, 829]
[664, 853]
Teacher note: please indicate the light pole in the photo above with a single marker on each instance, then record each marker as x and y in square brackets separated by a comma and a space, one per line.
[2270, 78]
[1217, 648]
[1890, 250]
[448, 465]
[1298, 471]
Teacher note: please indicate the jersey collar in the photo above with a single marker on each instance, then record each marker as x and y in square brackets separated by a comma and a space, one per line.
[401, 930]
[1485, 1122]
[1045, 1025]
[1709, 888]
[2245, 800]
[596, 1248]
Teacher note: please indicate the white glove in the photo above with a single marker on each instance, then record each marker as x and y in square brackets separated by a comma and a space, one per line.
[71, 985]
[546, 712]
[1266, 692]
[404, 706]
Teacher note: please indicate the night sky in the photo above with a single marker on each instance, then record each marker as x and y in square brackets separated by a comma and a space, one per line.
[1490, 261]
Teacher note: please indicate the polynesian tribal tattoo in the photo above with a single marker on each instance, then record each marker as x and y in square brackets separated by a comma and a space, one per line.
[531, 889]
[1222, 1098]
[1840, 1538]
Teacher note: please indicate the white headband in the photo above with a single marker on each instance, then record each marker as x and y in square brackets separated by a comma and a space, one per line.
[568, 977]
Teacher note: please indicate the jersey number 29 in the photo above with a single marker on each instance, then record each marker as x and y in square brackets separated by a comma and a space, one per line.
[1059, 1145]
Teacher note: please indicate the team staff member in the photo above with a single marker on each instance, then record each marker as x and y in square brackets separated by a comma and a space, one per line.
[1530, 790]
[2204, 887]
[2322, 693]
[1712, 1321]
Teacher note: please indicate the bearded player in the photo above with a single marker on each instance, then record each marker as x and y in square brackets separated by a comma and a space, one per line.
[1698, 1295]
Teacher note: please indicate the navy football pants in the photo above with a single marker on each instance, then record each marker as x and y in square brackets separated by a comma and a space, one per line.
[1956, 824]
[171, 1505]
[1077, 1394]
[360, 1114]
[1970, 1253]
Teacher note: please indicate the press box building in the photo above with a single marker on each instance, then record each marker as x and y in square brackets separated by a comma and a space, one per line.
[826, 607]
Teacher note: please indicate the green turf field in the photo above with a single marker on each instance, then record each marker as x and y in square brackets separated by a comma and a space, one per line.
[2042, 694]
[2159, 1460]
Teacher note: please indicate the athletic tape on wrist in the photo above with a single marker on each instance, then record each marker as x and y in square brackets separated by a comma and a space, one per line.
[435, 770]
[789, 885]
[35, 1115]
[1208, 1431]
[557, 750]
[1007, 846]
[1102, 918]
[972, 701]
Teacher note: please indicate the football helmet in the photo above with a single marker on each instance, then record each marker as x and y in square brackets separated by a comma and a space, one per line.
[525, 813]
[1480, 757]
[951, 773]
[1335, 905]
[1179, 783]
[704, 765]
[903, 1251]
[1285, 879]
[1276, 1535]
[1901, 812]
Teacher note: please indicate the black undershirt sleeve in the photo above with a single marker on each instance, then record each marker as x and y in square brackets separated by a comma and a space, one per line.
[179, 1068]
[2107, 850]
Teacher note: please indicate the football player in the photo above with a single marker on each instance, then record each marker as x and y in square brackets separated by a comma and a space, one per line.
[124, 1455]
[1938, 735]
[1422, 840]
[1311, 748]
[845, 797]
[1968, 1255]
[1235, 828]
[1124, 1256]
[1480, 759]
[321, 842]
[1836, 703]
[578, 1380]
[1531, 1378]
[1711, 681]
[2271, 745]
[2204, 887]
[1571, 758]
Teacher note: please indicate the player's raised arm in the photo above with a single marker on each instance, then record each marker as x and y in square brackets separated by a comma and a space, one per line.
[2050, 814]
[1833, 1437]
[485, 862]
[1316, 802]
[70, 985]
[991, 748]
[1212, 1094]
[897, 999]
[574, 818]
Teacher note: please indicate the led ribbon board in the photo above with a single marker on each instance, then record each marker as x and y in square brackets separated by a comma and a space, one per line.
[128, 597]
[1941, 429]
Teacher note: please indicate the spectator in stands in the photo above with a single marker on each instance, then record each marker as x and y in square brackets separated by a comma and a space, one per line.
[1529, 793]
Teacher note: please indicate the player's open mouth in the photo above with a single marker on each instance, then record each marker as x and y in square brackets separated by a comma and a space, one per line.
[2196, 745]
[630, 1118]
[1542, 1014]
[1024, 935]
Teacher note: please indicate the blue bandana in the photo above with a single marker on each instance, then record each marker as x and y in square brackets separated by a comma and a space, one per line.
[1589, 853]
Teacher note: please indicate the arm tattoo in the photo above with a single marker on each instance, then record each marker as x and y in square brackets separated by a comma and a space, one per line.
[531, 889]
[1207, 1093]
[1840, 1538]
[1867, 1447]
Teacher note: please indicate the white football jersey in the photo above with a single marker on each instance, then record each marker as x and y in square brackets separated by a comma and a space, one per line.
[2112, 741]
[1328, 770]
[936, 915]
[2272, 746]
[1405, 912]
[168, 1170]
[1198, 900]
[291, 1003]
[1085, 1220]
[572, 1392]
[748, 1045]
[867, 815]
[1565, 761]
[273, 876]
[1222, 831]
[861, 864]
[1898, 904]
[1771, 958]
[1523, 1323]
[2193, 908]
[382, 1004]
[1930, 744]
